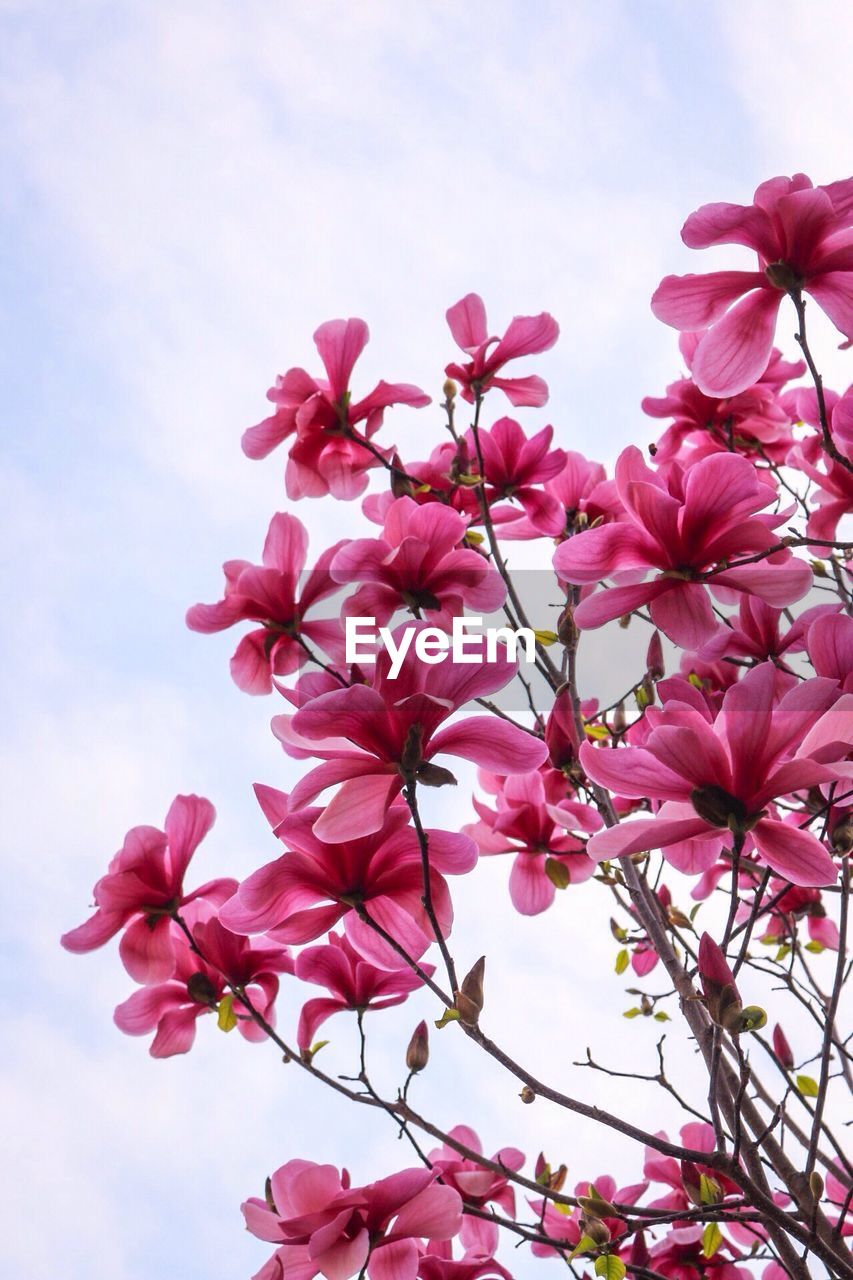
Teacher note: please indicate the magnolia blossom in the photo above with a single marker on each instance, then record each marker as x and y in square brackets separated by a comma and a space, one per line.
[722, 776]
[417, 564]
[833, 496]
[143, 887]
[584, 496]
[515, 465]
[199, 986]
[325, 456]
[526, 336]
[375, 738]
[353, 983]
[477, 1186]
[803, 236]
[307, 890]
[688, 525]
[325, 1226]
[267, 593]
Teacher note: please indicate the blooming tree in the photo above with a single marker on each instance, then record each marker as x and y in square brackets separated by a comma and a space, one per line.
[710, 806]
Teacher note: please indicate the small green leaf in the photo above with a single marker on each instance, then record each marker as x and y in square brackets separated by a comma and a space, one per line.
[783, 953]
[815, 947]
[558, 873]
[709, 1190]
[609, 1267]
[632, 1013]
[712, 1238]
[474, 537]
[807, 1086]
[565, 1209]
[449, 1015]
[597, 731]
[660, 1016]
[226, 1019]
[583, 1246]
[752, 1018]
[316, 1047]
[622, 961]
[545, 638]
[693, 911]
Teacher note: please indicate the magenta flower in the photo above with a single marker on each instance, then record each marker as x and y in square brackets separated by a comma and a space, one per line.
[438, 1263]
[560, 1226]
[514, 465]
[307, 890]
[754, 421]
[322, 1225]
[477, 1186]
[267, 593]
[527, 824]
[722, 777]
[687, 525]
[353, 982]
[373, 738]
[198, 987]
[526, 336]
[143, 887]
[830, 647]
[756, 633]
[833, 499]
[325, 456]
[417, 564]
[803, 236]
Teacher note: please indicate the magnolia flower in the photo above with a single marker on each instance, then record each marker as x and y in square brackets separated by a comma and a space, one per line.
[526, 336]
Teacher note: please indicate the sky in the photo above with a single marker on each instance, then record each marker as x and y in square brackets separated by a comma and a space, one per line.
[189, 189]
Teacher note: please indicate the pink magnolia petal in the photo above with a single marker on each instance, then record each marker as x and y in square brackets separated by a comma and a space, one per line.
[734, 353]
[643, 835]
[529, 887]
[358, 808]
[684, 613]
[148, 951]
[794, 853]
[394, 1260]
[499, 747]
[694, 302]
[340, 343]
[176, 1033]
[467, 322]
[188, 821]
[102, 926]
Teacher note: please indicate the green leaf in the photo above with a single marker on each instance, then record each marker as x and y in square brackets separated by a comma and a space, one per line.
[622, 961]
[660, 1016]
[782, 954]
[545, 638]
[807, 1086]
[632, 1013]
[709, 1190]
[597, 731]
[609, 1267]
[449, 1015]
[226, 1019]
[316, 1047]
[815, 947]
[712, 1238]
[752, 1018]
[694, 910]
[584, 1245]
[558, 873]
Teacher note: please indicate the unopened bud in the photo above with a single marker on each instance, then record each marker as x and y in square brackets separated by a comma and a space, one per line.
[469, 997]
[400, 484]
[816, 1184]
[557, 1179]
[567, 631]
[841, 836]
[417, 1054]
[411, 755]
[598, 1232]
[449, 389]
[268, 1196]
[620, 720]
[201, 989]
[527, 1095]
[596, 1206]
[654, 657]
[782, 1049]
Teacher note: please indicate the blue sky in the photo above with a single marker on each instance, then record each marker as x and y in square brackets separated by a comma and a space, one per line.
[189, 189]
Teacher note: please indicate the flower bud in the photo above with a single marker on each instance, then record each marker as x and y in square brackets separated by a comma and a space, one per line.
[567, 631]
[417, 1054]
[434, 775]
[598, 1232]
[782, 1049]
[400, 484]
[816, 1184]
[411, 755]
[841, 836]
[449, 389]
[527, 1095]
[469, 998]
[201, 989]
[620, 720]
[596, 1206]
[654, 658]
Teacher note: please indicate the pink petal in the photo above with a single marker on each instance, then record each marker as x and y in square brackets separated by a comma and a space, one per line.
[148, 952]
[340, 343]
[499, 747]
[694, 302]
[187, 823]
[794, 853]
[467, 322]
[102, 926]
[529, 887]
[734, 353]
[358, 808]
[394, 1260]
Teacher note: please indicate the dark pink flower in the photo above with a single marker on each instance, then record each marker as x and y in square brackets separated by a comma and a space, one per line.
[438, 1263]
[833, 498]
[198, 987]
[582, 492]
[418, 564]
[803, 236]
[325, 456]
[526, 336]
[720, 777]
[353, 983]
[143, 887]
[306, 891]
[527, 824]
[477, 1186]
[373, 738]
[687, 525]
[267, 593]
[757, 633]
[754, 422]
[569, 1227]
[513, 467]
[322, 1225]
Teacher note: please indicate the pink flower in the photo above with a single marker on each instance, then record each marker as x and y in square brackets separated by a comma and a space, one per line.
[833, 498]
[477, 1186]
[353, 982]
[199, 986]
[687, 525]
[417, 564]
[306, 891]
[267, 593]
[438, 1263]
[526, 824]
[722, 777]
[756, 633]
[754, 421]
[376, 738]
[803, 236]
[324, 1226]
[326, 456]
[526, 336]
[513, 465]
[560, 1226]
[143, 887]
[830, 646]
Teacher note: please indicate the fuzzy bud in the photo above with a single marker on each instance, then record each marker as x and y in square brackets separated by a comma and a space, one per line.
[417, 1054]
[449, 389]
[567, 631]
[527, 1095]
[816, 1184]
[598, 1232]
[654, 658]
[469, 998]
[841, 836]
[782, 1049]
